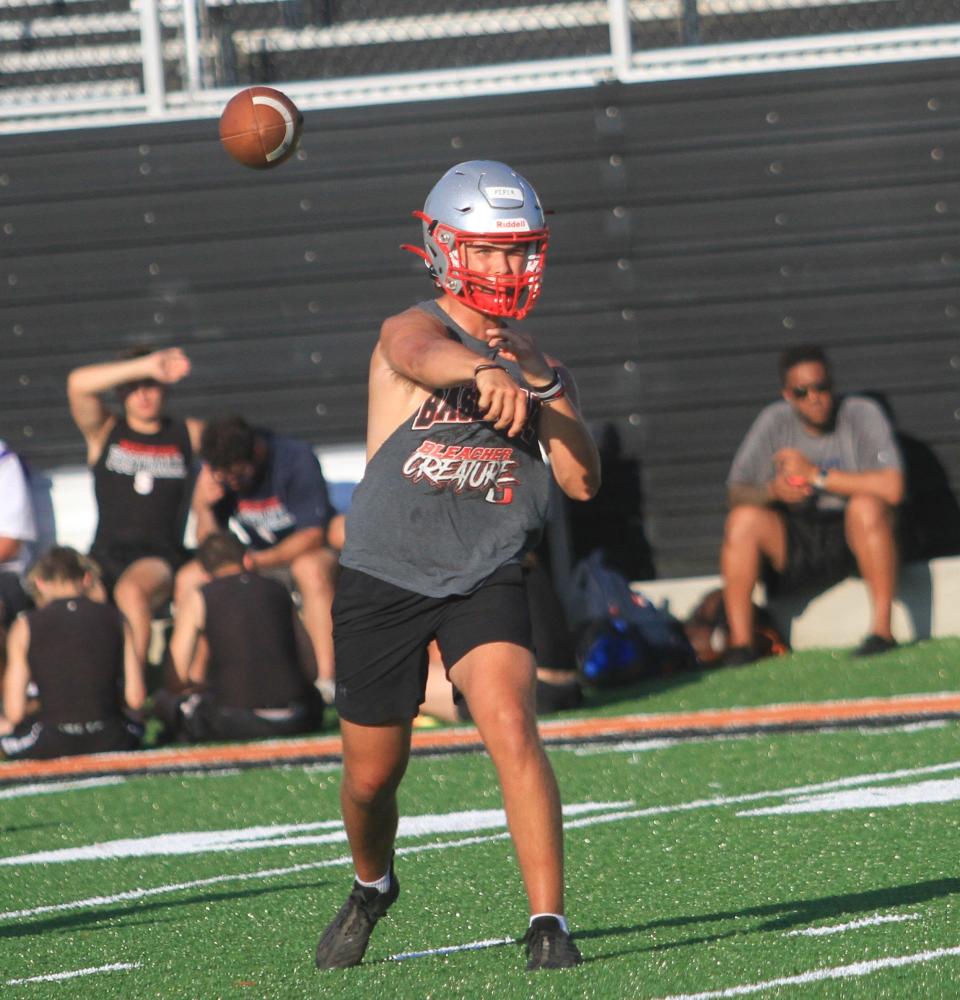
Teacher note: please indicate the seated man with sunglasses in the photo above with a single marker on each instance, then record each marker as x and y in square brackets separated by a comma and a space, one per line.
[812, 492]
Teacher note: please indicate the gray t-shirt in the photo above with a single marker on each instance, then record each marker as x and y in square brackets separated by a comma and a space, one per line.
[448, 499]
[860, 441]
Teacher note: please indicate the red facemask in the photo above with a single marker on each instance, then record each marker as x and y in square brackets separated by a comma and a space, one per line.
[509, 295]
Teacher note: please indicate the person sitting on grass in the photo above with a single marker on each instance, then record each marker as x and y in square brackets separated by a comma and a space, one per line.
[256, 678]
[80, 655]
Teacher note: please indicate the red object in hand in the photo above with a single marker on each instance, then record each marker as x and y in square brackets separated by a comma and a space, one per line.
[796, 481]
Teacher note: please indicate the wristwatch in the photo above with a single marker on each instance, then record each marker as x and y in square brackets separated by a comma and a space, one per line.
[819, 481]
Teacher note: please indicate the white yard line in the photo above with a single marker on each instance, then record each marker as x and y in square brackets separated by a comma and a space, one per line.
[730, 800]
[451, 949]
[136, 894]
[880, 918]
[159, 890]
[53, 977]
[48, 787]
[820, 975]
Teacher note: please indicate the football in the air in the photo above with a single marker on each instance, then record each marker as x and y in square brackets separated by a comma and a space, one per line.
[260, 127]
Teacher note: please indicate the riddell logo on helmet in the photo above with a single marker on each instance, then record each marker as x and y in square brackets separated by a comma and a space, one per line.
[512, 224]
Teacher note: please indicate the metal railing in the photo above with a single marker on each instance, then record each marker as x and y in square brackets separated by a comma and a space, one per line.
[74, 62]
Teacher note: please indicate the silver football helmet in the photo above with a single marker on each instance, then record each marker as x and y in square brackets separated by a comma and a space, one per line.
[475, 207]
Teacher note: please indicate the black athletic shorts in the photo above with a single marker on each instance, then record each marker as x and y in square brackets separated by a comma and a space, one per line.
[817, 553]
[114, 560]
[381, 633]
[198, 717]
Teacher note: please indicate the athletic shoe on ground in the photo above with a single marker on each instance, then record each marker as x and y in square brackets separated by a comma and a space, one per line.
[738, 656]
[873, 645]
[549, 946]
[344, 941]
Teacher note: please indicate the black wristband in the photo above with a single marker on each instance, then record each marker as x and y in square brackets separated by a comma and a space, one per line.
[555, 390]
[486, 366]
[550, 385]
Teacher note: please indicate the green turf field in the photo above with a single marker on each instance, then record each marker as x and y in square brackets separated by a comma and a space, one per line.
[791, 864]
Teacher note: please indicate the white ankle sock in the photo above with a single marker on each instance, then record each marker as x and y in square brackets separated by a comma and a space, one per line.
[381, 885]
[561, 919]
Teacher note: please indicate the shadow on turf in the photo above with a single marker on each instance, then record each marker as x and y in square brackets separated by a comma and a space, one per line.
[22, 828]
[789, 914]
[74, 921]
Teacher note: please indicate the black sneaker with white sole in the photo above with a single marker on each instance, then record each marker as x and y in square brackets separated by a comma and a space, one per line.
[344, 941]
[549, 946]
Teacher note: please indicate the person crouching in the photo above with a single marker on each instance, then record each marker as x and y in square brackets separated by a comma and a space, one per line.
[80, 656]
[254, 681]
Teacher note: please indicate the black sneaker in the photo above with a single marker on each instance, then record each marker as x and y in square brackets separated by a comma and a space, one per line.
[549, 946]
[344, 941]
[874, 645]
[738, 656]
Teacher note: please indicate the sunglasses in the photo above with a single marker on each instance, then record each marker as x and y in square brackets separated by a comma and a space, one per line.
[802, 391]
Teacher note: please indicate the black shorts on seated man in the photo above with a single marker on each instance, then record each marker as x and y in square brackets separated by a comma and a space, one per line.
[812, 492]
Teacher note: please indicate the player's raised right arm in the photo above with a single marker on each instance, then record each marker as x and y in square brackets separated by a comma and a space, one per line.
[417, 349]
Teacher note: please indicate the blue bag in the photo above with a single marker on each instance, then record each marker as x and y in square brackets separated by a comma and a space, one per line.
[622, 636]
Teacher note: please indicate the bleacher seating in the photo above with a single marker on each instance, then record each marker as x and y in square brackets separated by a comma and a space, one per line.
[79, 50]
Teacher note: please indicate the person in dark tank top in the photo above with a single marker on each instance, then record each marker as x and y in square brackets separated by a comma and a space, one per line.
[256, 679]
[141, 461]
[78, 653]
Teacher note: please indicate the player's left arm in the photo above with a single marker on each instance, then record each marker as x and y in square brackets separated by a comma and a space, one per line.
[17, 675]
[570, 447]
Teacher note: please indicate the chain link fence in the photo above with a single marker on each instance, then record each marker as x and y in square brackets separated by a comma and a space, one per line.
[157, 56]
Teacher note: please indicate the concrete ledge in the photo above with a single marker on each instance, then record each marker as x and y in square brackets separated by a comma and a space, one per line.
[927, 605]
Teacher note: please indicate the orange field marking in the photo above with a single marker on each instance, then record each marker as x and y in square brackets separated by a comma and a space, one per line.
[555, 731]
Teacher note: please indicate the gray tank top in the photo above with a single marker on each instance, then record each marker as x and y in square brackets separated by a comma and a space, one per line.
[447, 499]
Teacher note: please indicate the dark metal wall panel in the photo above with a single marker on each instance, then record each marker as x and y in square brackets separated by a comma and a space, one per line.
[700, 227]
